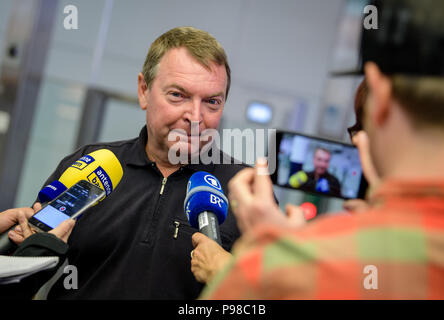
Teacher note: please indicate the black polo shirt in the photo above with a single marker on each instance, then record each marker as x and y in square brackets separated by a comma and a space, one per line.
[127, 246]
[333, 183]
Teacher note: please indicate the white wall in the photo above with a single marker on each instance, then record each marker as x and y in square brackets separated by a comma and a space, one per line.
[278, 50]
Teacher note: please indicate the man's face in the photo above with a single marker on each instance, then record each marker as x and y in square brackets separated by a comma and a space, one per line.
[183, 92]
[321, 161]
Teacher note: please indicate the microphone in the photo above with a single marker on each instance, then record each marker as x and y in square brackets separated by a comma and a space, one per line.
[205, 204]
[100, 167]
[322, 185]
[298, 179]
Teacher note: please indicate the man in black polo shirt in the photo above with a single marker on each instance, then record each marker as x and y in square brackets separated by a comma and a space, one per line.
[136, 244]
[320, 179]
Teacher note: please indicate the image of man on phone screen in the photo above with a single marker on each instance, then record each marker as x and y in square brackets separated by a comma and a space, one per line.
[320, 179]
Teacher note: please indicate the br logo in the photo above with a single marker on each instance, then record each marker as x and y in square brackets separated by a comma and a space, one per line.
[216, 200]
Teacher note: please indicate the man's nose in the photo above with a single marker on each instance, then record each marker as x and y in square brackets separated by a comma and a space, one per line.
[195, 112]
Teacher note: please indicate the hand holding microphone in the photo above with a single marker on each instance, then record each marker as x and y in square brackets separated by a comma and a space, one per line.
[208, 257]
[206, 207]
[205, 204]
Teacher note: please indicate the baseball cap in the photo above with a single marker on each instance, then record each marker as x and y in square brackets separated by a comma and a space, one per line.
[407, 37]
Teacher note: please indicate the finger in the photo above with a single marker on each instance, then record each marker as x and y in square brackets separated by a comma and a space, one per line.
[239, 187]
[63, 230]
[18, 229]
[27, 212]
[25, 229]
[197, 238]
[15, 237]
[295, 215]
[262, 186]
[245, 176]
[36, 207]
[11, 217]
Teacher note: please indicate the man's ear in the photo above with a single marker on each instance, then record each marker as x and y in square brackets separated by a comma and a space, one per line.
[142, 90]
[380, 89]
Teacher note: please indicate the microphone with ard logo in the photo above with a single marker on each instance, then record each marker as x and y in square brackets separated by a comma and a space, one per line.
[205, 204]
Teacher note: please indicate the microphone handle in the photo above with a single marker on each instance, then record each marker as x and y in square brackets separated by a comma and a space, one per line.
[209, 226]
[7, 246]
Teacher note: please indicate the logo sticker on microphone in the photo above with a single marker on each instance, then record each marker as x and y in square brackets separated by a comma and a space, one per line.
[83, 162]
[101, 179]
[212, 181]
[216, 200]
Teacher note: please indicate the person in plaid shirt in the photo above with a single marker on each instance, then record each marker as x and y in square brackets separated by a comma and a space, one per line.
[395, 248]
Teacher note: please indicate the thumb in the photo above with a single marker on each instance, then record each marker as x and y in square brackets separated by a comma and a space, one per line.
[262, 185]
[295, 216]
[198, 238]
[37, 206]
[63, 230]
[25, 229]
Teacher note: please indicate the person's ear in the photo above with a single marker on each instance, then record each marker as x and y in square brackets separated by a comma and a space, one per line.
[380, 89]
[142, 90]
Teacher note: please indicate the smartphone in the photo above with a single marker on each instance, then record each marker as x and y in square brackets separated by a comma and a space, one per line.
[318, 166]
[70, 204]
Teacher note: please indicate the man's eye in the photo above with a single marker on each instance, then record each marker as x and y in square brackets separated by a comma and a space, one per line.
[215, 102]
[176, 95]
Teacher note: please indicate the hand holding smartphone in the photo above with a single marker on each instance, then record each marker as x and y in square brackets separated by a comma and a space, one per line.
[70, 204]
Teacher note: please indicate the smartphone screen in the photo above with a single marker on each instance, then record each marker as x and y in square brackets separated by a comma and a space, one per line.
[69, 204]
[318, 166]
